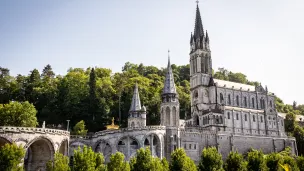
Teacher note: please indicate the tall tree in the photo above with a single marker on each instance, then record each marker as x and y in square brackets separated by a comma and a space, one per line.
[48, 72]
[93, 101]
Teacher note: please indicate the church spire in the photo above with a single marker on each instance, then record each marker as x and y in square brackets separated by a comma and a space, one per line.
[198, 28]
[169, 85]
[135, 105]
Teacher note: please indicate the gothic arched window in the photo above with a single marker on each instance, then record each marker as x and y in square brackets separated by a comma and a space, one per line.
[229, 99]
[221, 98]
[253, 118]
[237, 116]
[253, 103]
[245, 101]
[237, 101]
[261, 118]
[270, 103]
[228, 115]
[245, 117]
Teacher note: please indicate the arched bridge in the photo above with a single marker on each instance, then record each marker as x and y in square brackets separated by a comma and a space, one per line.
[40, 144]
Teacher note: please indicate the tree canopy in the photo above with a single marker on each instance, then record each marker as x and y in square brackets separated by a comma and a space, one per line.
[11, 156]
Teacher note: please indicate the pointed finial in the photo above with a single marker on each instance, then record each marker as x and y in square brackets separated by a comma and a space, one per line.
[168, 55]
[197, 2]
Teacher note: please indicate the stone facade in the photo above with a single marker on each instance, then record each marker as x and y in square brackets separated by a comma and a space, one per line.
[40, 144]
[227, 115]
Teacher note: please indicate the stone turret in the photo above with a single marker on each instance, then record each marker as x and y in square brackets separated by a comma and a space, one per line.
[137, 114]
[170, 104]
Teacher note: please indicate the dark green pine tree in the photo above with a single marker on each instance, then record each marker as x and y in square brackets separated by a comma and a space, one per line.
[93, 106]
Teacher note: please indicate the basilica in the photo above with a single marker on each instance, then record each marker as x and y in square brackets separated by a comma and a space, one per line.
[226, 115]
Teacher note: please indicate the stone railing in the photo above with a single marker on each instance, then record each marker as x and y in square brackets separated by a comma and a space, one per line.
[9, 129]
[80, 137]
[147, 128]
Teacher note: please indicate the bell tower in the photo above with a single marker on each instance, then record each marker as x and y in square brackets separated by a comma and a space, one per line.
[200, 66]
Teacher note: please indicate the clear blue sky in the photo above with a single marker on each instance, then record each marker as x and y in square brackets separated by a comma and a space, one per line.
[262, 39]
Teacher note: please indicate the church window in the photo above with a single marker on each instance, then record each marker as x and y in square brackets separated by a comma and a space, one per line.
[253, 118]
[245, 101]
[175, 138]
[253, 103]
[262, 101]
[189, 146]
[217, 119]
[273, 118]
[237, 116]
[194, 146]
[208, 120]
[221, 98]
[229, 99]
[282, 122]
[237, 101]
[270, 103]
[245, 117]
[261, 118]
[221, 119]
[185, 146]
[228, 115]
[196, 94]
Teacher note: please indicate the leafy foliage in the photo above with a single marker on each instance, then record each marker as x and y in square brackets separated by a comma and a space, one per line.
[210, 160]
[300, 162]
[256, 161]
[235, 162]
[181, 162]
[117, 163]
[59, 163]
[10, 157]
[79, 128]
[87, 160]
[18, 114]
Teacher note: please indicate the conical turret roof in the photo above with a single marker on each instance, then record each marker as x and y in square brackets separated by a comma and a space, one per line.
[198, 28]
[135, 105]
[169, 85]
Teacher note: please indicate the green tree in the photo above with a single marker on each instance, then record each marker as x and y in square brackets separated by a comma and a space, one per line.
[181, 162]
[159, 165]
[59, 163]
[256, 161]
[18, 114]
[290, 122]
[273, 160]
[235, 162]
[143, 160]
[300, 162]
[80, 128]
[211, 160]
[11, 157]
[118, 163]
[87, 160]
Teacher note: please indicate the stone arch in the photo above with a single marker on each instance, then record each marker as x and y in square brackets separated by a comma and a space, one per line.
[128, 145]
[4, 140]
[63, 147]
[75, 144]
[38, 152]
[132, 124]
[174, 113]
[104, 147]
[168, 118]
[154, 140]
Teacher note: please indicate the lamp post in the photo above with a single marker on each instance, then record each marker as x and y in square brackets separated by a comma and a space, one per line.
[68, 124]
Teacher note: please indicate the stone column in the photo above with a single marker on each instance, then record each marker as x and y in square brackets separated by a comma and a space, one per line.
[151, 143]
[128, 148]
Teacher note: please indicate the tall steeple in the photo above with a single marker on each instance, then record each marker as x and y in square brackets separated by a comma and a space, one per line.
[198, 28]
[169, 85]
[135, 105]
